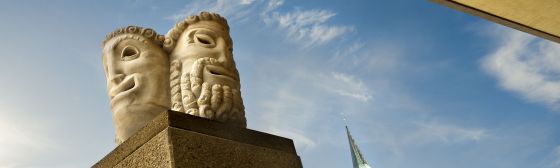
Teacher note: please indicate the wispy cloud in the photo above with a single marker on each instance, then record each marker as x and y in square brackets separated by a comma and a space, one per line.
[309, 27]
[438, 132]
[526, 65]
[233, 10]
[287, 105]
[270, 6]
[410, 131]
[556, 157]
[295, 107]
[348, 85]
[306, 27]
[246, 2]
[553, 160]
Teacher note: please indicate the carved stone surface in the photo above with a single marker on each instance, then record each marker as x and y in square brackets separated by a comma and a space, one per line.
[190, 70]
[137, 73]
[204, 79]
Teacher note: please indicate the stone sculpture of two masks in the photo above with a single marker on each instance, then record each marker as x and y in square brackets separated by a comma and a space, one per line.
[189, 70]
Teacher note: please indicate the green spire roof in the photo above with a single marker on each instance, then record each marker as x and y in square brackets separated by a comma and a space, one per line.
[357, 157]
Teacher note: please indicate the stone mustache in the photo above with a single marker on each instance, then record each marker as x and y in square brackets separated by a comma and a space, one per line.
[189, 70]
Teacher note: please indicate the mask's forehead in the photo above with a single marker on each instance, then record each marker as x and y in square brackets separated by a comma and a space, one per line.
[219, 29]
[113, 43]
[130, 39]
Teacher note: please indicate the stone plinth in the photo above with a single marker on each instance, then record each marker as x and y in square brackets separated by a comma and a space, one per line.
[179, 140]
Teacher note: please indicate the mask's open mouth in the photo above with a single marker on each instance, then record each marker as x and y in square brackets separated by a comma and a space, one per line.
[220, 72]
[125, 85]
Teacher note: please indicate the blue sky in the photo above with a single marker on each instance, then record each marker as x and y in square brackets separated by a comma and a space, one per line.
[421, 85]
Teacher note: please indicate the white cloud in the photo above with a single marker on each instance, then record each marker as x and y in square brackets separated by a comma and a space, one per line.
[401, 135]
[298, 106]
[526, 65]
[351, 51]
[553, 160]
[348, 85]
[272, 4]
[289, 114]
[301, 139]
[233, 10]
[246, 2]
[438, 132]
[308, 27]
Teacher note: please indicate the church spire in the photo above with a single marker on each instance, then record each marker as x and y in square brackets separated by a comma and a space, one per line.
[357, 158]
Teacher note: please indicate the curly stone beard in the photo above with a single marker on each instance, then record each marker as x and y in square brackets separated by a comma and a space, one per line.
[190, 94]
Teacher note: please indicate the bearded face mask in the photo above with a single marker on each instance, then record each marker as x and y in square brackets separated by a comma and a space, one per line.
[204, 80]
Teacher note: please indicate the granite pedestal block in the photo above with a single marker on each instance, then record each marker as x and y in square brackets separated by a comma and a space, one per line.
[179, 140]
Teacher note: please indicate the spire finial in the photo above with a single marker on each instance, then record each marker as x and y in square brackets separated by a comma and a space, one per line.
[344, 118]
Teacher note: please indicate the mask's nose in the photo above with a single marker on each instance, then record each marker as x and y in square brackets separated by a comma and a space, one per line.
[116, 79]
[222, 58]
[114, 74]
[113, 84]
[226, 59]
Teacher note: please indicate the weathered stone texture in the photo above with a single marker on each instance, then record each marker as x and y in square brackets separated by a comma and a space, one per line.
[178, 140]
[208, 151]
[154, 153]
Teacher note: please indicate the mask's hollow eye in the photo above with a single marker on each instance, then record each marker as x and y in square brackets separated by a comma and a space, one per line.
[130, 53]
[204, 40]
